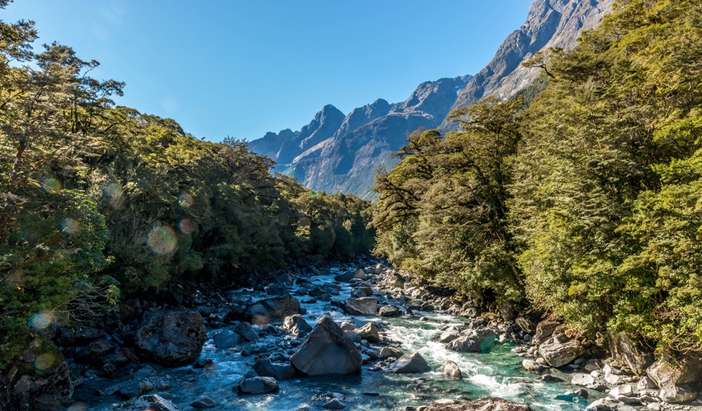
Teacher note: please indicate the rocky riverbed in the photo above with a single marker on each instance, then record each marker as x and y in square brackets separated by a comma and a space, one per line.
[357, 337]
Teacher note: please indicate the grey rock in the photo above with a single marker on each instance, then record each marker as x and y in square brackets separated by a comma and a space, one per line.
[369, 332]
[154, 402]
[676, 378]
[628, 352]
[603, 404]
[296, 325]
[257, 385]
[246, 331]
[452, 371]
[203, 403]
[226, 339]
[449, 335]
[481, 340]
[389, 311]
[334, 404]
[410, 364]
[347, 326]
[626, 393]
[613, 376]
[532, 365]
[171, 337]
[41, 392]
[646, 383]
[362, 291]
[559, 350]
[485, 404]
[265, 310]
[582, 379]
[327, 351]
[389, 352]
[361, 306]
[544, 329]
[265, 368]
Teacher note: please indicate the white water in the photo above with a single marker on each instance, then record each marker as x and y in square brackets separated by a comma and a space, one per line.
[496, 374]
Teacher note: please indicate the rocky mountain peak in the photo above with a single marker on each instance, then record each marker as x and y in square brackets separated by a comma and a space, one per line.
[342, 153]
[431, 96]
[549, 24]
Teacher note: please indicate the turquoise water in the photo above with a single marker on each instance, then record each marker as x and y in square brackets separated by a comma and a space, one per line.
[496, 374]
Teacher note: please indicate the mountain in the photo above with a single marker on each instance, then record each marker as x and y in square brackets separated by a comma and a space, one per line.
[337, 153]
[285, 145]
[550, 24]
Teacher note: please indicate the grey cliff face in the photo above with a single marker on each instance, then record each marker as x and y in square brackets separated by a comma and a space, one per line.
[285, 145]
[338, 153]
[550, 24]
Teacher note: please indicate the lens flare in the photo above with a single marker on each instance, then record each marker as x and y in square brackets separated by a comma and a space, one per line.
[41, 321]
[70, 226]
[186, 226]
[45, 361]
[185, 200]
[114, 192]
[51, 185]
[162, 240]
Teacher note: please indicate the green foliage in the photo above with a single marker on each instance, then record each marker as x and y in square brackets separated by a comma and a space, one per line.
[605, 184]
[587, 201]
[98, 200]
[441, 212]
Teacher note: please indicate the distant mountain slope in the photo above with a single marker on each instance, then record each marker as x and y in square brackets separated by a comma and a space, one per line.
[337, 153]
[285, 145]
[550, 24]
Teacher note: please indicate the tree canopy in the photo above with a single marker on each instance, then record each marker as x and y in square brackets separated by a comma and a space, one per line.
[99, 201]
[581, 195]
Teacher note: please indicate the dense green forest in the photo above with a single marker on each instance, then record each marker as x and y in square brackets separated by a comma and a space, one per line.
[582, 197]
[99, 201]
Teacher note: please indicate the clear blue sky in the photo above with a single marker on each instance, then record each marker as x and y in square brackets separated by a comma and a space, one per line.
[242, 67]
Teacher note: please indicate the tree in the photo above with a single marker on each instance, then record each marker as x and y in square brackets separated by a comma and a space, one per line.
[594, 206]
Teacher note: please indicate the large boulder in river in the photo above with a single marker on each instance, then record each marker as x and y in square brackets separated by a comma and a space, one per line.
[559, 350]
[678, 379]
[361, 306]
[410, 364]
[327, 351]
[273, 308]
[171, 337]
[485, 404]
[480, 340]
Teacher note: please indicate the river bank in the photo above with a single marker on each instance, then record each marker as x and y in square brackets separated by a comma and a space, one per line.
[404, 347]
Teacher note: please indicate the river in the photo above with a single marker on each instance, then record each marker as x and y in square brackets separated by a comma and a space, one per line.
[494, 374]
